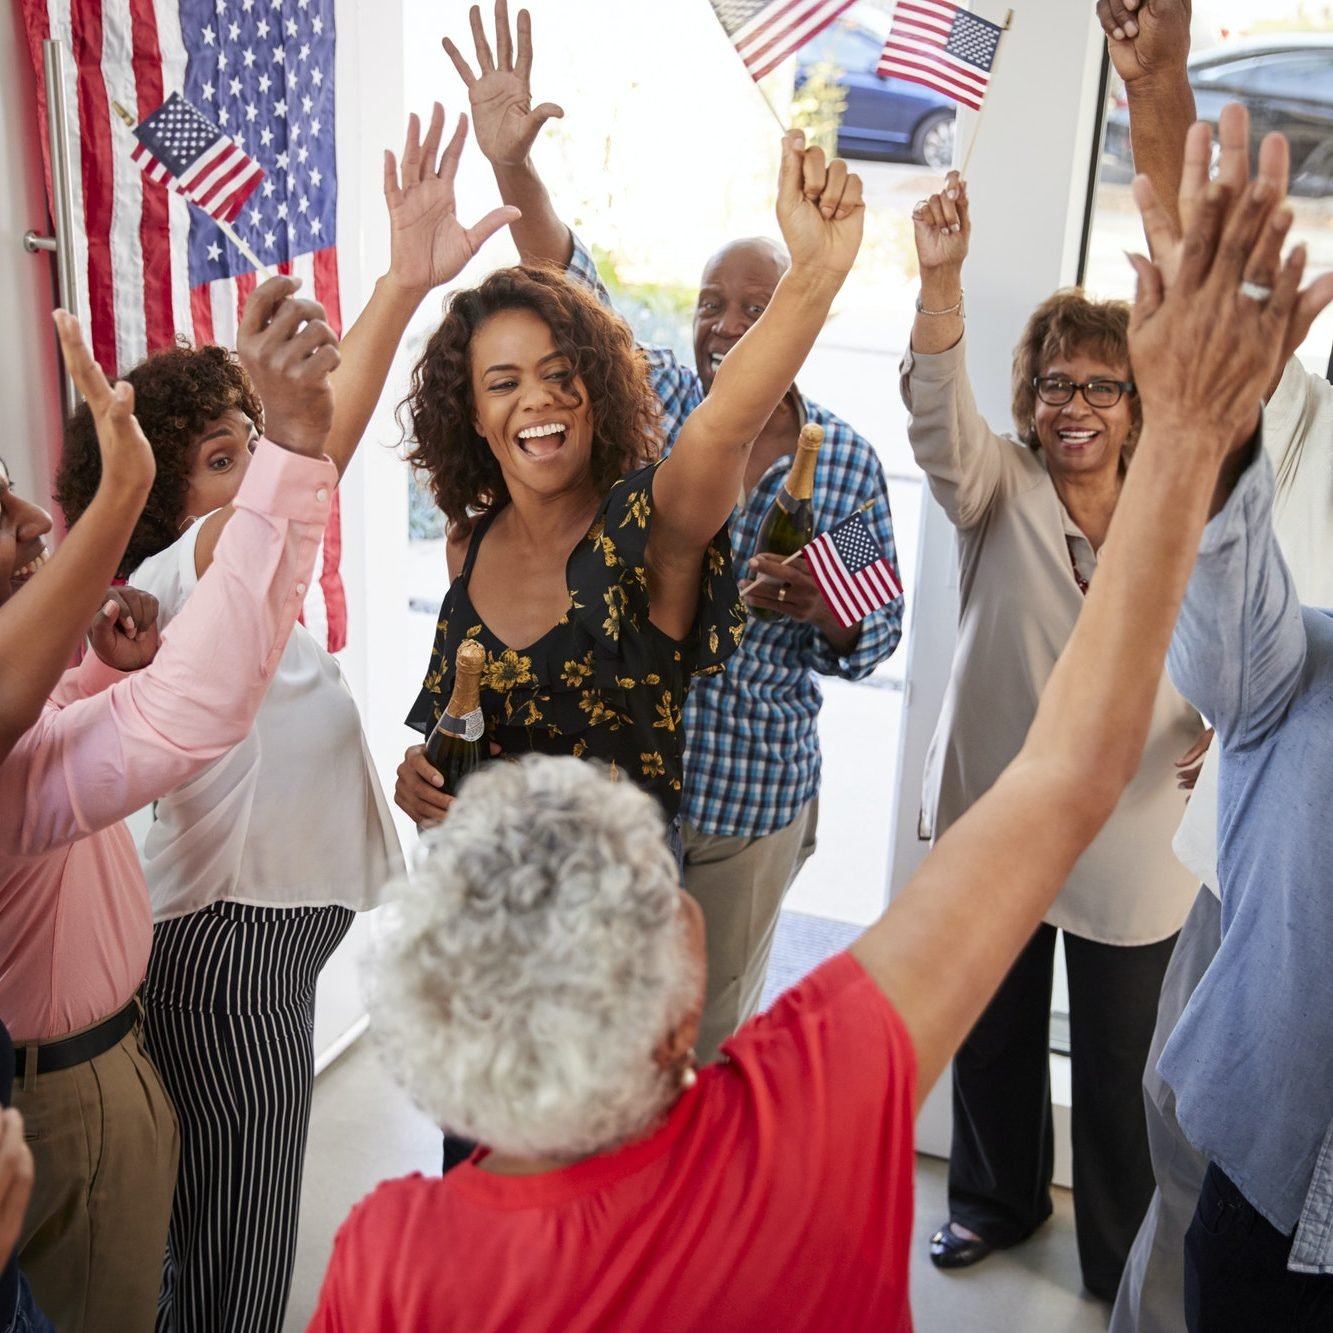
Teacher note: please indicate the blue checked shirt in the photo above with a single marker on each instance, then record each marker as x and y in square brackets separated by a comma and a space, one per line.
[752, 732]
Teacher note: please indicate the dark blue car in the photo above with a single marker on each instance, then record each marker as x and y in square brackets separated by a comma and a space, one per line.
[885, 118]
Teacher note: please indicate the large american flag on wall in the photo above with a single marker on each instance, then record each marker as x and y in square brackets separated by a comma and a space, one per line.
[149, 266]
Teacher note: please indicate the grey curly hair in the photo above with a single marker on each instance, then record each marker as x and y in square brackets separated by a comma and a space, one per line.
[536, 961]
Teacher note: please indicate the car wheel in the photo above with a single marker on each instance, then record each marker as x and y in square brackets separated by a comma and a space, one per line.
[932, 144]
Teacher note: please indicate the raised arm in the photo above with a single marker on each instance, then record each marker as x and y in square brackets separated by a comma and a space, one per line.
[1203, 353]
[90, 764]
[428, 246]
[41, 625]
[1149, 42]
[966, 463]
[507, 124]
[821, 215]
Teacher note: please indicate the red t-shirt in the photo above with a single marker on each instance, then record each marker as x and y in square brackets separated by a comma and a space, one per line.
[777, 1195]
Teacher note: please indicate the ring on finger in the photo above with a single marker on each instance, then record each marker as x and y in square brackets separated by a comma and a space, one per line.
[1256, 291]
[782, 593]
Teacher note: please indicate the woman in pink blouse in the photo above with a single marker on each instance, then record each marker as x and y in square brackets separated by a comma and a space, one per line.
[74, 919]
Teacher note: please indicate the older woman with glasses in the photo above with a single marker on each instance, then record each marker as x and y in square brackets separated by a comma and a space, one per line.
[1032, 514]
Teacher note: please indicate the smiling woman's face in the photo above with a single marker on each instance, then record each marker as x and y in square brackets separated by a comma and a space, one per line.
[531, 407]
[218, 459]
[23, 527]
[1078, 439]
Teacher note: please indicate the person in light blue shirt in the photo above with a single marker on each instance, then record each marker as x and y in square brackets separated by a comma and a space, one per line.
[1251, 1060]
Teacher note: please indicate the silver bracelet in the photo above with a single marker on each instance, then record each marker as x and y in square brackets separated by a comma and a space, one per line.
[952, 310]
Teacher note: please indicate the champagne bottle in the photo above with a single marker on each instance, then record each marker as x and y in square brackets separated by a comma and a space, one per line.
[790, 521]
[455, 746]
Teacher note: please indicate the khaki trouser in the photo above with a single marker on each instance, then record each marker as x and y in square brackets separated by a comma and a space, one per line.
[105, 1144]
[740, 884]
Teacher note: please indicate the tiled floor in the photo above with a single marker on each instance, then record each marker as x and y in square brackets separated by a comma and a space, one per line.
[365, 1130]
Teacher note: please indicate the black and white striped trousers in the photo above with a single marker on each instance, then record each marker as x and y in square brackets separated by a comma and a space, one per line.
[230, 1013]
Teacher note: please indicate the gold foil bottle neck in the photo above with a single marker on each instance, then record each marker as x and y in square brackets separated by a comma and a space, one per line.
[801, 478]
[466, 698]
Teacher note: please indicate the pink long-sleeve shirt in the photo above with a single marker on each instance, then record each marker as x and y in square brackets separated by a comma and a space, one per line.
[75, 925]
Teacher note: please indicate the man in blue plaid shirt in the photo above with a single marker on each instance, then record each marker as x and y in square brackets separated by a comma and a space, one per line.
[752, 762]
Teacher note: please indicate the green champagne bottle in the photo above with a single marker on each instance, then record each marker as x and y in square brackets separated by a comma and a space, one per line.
[790, 521]
[455, 746]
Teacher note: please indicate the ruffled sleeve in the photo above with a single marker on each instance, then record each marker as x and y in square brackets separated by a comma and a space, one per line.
[609, 582]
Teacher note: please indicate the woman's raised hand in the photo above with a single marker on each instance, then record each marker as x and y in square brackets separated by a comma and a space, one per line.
[128, 465]
[428, 244]
[820, 209]
[942, 226]
[506, 122]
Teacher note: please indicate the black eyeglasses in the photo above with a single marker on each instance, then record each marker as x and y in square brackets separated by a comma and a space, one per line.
[1057, 390]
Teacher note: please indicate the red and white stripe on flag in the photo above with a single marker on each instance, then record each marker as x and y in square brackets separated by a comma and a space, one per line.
[779, 29]
[851, 594]
[219, 182]
[131, 235]
[915, 51]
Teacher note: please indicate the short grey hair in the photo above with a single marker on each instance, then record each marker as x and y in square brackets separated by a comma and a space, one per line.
[536, 961]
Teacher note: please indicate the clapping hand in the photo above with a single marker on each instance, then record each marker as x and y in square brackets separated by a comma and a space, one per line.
[428, 244]
[942, 227]
[1146, 36]
[820, 209]
[506, 123]
[124, 632]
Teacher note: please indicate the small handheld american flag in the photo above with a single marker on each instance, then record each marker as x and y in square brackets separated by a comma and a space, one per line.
[180, 147]
[766, 32]
[942, 46]
[851, 571]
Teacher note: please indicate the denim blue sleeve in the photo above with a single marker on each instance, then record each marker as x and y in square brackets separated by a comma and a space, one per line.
[677, 387]
[1240, 644]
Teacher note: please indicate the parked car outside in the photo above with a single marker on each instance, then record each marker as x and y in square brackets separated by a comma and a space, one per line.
[884, 118]
[1286, 83]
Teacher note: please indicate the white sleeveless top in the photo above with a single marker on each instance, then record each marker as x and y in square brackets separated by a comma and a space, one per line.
[294, 815]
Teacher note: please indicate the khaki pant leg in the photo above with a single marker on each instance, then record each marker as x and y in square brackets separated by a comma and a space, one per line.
[105, 1145]
[740, 883]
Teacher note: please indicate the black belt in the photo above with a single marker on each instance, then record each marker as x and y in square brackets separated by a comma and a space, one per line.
[66, 1052]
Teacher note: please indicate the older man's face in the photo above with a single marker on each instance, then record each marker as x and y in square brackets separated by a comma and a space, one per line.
[736, 287]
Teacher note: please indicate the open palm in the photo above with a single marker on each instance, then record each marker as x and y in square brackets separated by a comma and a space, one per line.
[127, 457]
[504, 119]
[428, 244]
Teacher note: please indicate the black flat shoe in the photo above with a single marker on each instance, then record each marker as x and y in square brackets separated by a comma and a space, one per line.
[950, 1250]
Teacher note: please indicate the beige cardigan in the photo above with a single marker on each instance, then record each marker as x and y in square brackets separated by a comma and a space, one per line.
[1018, 604]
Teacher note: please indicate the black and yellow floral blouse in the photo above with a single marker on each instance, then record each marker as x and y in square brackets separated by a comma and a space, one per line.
[604, 681]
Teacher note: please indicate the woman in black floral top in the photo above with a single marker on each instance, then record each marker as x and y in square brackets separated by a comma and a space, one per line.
[598, 578]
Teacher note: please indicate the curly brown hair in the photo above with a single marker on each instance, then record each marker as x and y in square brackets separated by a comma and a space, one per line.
[464, 477]
[177, 392]
[1066, 325]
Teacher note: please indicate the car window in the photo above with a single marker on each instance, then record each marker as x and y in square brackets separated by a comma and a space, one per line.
[1289, 74]
[846, 45]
